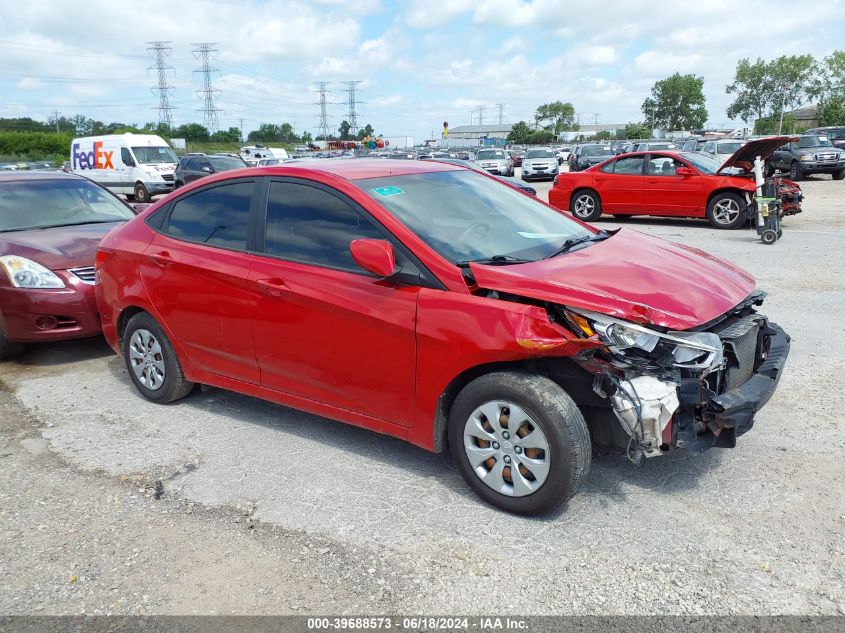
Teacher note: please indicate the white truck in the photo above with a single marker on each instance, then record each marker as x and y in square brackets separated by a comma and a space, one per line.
[254, 153]
[137, 165]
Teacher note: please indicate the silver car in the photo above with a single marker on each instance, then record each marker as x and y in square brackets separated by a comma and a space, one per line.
[496, 161]
[540, 162]
[720, 149]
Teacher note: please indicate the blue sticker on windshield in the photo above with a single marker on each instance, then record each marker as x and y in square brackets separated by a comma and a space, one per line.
[384, 192]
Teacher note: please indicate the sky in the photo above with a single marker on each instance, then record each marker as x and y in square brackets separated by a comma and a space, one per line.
[421, 62]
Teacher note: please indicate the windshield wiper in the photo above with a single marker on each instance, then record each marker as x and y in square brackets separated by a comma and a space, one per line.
[572, 242]
[56, 226]
[495, 260]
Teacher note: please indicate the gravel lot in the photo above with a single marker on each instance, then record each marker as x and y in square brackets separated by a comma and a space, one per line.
[266, 510]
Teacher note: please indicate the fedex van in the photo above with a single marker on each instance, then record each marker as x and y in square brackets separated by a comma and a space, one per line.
[137, 165]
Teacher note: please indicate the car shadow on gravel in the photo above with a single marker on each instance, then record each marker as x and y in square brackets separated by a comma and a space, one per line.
[611, 475]
[62, 352]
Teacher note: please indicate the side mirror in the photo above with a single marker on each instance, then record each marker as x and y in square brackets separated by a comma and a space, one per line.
[374, 256]
[684, 171]
[206, 169]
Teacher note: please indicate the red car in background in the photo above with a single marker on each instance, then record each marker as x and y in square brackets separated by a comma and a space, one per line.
[673, 184]
[50, 226]
[436, 304]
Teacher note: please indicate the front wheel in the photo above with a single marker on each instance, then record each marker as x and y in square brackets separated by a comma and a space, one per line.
[152, 362]
[141, 193]
[795, 171]
[839, 175]
[9, 349]
[586, 205]
[725, 211]
[519, 441]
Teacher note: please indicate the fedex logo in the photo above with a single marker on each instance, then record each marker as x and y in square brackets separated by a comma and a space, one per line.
[95, 159]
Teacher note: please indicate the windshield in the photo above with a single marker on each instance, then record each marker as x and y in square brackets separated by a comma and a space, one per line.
[813, 141]
[704, 164]
[596, 150]
[486, 154]
[464, 215]
[148, 155]
[728, 148]
[540, 153]
[224, 163]
[47, 203]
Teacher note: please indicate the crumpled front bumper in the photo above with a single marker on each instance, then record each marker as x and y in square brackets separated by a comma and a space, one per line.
[705, 419]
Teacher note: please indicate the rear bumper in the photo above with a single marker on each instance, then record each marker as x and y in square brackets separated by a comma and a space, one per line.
[73, 308]
[158, 186]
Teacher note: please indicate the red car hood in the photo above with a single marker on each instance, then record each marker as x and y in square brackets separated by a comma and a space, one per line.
[57, 248]
[630, 276]
[762, 147]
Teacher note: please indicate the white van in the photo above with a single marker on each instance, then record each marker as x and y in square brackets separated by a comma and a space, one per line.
[138, 165]
[254, 153]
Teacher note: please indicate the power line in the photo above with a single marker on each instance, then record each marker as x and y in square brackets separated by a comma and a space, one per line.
[351, 103]
[205, 52]
[160, 51]
[323, 124]
[500, 107]
[480, 109]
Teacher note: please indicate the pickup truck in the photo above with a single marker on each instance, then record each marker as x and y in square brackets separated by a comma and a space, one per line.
[810, 154]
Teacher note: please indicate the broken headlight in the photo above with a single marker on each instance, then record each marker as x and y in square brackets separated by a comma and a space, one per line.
[630, 341]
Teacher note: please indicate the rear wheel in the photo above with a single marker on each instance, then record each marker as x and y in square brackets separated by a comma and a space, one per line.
[725, 211]
[519, 441]
[151, 360]
[586, 205]
[9, 349]
[795, 171]
[839, 175]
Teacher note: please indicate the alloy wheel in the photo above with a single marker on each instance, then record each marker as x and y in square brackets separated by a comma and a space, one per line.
[146, 359]
[506, 449]
[584, 205]
[726, 211]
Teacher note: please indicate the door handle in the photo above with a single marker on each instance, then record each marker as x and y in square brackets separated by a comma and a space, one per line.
[274, 287]
[162, 259]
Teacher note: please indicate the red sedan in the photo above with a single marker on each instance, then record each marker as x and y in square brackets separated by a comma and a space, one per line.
[664, 183]
[436, 304]
[50, 225]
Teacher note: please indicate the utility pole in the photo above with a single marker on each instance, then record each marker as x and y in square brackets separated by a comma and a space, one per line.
[480, 109]
[351, 101]
[501, 109]
[56, 117]
[205, 52]
[160, 51]
[242, 131]
[323, 123]
[596, 118]
[782, 108]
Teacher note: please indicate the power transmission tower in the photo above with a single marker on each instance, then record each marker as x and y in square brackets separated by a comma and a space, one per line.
[160, 51]
[323, 123]
[205, 52]
[480, 109]
[351, 103]
[596, 117]
[500, 107]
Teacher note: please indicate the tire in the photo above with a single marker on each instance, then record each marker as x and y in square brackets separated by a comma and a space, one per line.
[585, 205]
[557, 469]
[8, 349]
[141, 193]
[839, 175]
[769, 237]
[726, 211]
[163, 375]
[795, 171]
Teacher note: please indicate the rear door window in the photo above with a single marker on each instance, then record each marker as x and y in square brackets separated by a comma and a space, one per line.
[631, 166]
[218, 216]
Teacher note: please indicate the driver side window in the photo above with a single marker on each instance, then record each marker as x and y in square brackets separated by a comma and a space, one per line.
[663, 166]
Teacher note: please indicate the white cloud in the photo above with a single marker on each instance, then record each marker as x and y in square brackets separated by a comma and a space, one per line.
[28, 83]
[424, 14]
[599, 55]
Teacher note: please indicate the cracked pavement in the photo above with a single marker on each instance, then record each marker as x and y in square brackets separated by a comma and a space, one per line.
[269, 510]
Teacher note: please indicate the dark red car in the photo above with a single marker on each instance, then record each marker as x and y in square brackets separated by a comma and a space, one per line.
[673, 184]
[438, 305]
[50, 225]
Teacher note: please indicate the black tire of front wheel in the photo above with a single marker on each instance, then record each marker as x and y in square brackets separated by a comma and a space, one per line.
[839, 175]
[8, 349]
[560, 421]
[740, 218]
[141, 193]
[795, 171]
[175, 386]
[595, 213]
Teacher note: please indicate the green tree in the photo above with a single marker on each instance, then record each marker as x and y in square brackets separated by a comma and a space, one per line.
[520, 132]
[541, 137]
[366, 131]
[828, 88]
[286, 132]
[677, 103]
[192, 132]
[306, 137]
[556, 116]
[24, 124]
[752, 86]
[232, 135]
[266, 133]
[637, 130]
[343, 129]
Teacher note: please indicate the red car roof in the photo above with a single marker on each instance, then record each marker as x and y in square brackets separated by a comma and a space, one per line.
[354, 169]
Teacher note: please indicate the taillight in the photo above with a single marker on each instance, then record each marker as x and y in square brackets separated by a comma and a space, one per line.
[102, 256]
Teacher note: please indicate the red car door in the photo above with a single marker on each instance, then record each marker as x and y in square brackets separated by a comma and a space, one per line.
[195, 272]
[325, 329]
[666, 193]
[620, 185]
